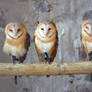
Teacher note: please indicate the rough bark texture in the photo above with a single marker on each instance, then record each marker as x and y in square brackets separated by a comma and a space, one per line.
[68, 16]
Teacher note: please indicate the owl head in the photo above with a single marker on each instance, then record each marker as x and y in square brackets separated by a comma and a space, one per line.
[15, 30]
[87, 28]
[46, 30]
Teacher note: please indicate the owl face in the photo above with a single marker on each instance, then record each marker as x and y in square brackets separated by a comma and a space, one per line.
[46, 29]
[14, 30]
[87, 27]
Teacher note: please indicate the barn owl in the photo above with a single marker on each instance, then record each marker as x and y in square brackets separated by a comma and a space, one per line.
[87, 39]
[46, 41]
[16, 43]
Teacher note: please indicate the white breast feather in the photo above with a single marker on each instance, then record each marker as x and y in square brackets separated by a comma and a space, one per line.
[44, 47]
[89, 46]
[13, 50]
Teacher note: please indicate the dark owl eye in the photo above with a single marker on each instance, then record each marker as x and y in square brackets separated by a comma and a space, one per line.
[42, 28]
[87, 27]
[10, 30]
[49, 29]
[18, 30]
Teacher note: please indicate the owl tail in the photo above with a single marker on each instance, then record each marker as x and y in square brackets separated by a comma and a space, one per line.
[15, 80]
[90, 59]
[90, 56]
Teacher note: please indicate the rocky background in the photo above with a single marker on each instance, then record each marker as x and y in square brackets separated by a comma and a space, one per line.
[68, 16]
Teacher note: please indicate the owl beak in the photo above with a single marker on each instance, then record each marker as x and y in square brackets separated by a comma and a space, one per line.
[15, 33]
[46, 32]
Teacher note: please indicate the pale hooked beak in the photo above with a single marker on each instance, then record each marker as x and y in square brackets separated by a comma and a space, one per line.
[45, 32]
[15, 32]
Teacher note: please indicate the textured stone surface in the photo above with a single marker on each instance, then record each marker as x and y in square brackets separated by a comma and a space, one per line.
[68, 16]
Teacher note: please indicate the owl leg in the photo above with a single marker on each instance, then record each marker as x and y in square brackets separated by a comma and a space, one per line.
[47, 57]
[15, 80]
[15, 60]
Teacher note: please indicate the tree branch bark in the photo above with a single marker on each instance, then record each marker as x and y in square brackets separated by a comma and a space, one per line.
[38, 69]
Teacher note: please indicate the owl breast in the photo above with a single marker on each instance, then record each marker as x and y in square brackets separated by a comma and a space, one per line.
[89, 46]
[44, 46]
[13, 50]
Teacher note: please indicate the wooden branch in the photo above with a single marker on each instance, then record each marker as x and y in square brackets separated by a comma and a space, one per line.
[8, 69]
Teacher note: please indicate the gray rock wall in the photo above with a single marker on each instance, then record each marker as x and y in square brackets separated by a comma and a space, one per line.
[68, 16]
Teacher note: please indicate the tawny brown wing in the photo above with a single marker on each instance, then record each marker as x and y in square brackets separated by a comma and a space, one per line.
[84, 48]
[27, 42]
[53, 51]
[27, 45]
